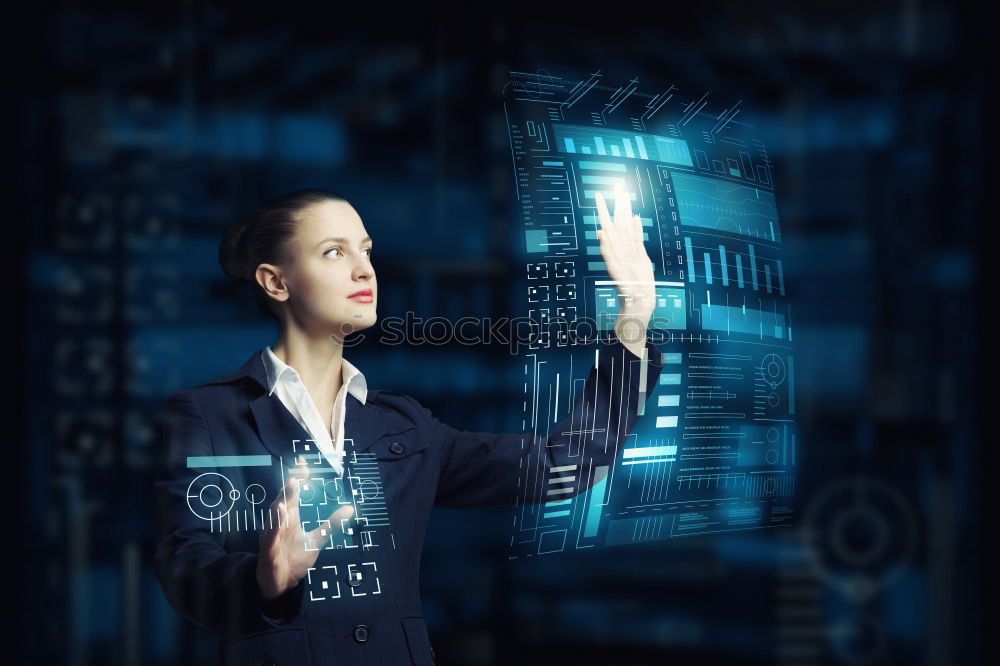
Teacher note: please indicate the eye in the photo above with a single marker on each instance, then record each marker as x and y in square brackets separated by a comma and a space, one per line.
[368, 250]
[333, 249]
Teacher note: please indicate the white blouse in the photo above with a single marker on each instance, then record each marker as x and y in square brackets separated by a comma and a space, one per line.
[283, 379]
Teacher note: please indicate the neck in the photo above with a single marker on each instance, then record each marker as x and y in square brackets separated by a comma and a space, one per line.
[318, 360]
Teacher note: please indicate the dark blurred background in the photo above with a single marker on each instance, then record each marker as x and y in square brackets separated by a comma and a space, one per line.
[144, 128]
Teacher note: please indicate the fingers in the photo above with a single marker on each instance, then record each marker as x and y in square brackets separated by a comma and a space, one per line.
[290, 492]
[285, 504]
[602, 211]
[620, 237]
[623, 208]
[623, 204]
[608, 227]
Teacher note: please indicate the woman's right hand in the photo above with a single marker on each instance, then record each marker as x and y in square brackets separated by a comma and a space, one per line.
[283, 559]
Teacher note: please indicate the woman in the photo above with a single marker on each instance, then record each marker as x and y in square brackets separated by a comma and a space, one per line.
[339, 588]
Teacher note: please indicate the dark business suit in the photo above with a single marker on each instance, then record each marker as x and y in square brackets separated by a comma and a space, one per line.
[209, 576]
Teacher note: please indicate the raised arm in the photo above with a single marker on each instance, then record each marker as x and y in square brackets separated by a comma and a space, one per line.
[479, 469]
[482, 469]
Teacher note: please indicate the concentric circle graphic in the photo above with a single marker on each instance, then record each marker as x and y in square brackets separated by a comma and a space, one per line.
[210, 496]
[858, 534]
[772, 370]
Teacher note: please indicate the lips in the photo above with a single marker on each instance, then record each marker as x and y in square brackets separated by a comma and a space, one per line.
[362, 296]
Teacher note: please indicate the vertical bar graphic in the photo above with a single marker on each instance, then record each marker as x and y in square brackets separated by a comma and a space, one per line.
[642, 147]
[708, 268]
[599, 142]
[781, 279]
[597, 492]
[791, 379]
[753, 266]
[722, 266]
[628, 148]
[690, 256]
[739, 269]
[767, 276]
[642, 382]
[747, 168]
[784, 445]
[570, 148]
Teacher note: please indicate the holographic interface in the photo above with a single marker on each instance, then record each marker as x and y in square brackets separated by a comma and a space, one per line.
[714, 449]
[228, 493]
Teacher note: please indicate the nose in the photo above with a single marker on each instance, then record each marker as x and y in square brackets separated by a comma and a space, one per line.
[363, 270]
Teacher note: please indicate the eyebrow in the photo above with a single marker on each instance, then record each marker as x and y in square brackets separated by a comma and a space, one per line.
[342, 240]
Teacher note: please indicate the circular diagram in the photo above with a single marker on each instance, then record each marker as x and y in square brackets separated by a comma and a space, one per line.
[211, 496]
[368, 490]
[255, 494]
[334, 491]
[308, 491]
[858, 533]
[772, 370]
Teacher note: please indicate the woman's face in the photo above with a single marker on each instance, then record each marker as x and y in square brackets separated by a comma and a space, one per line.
[329, 277]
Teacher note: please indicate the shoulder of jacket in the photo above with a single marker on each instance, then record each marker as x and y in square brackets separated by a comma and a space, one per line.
[208, 391]
[228, 378]
[393, 400]
[243, 373]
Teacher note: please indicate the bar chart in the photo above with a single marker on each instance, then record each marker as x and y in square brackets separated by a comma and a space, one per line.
[616, 143]
[725, 266]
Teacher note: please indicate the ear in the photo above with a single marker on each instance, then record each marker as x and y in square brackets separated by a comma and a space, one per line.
[271, 280]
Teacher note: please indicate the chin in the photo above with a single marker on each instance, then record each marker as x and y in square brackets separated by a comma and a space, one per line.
[355, 324]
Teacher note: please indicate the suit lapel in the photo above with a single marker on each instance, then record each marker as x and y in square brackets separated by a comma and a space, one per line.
[276, 426]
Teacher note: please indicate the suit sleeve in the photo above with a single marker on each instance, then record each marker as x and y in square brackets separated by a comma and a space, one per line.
[479, 469]
[211, 587]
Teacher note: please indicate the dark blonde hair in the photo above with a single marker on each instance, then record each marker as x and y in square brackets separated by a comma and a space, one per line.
[263, 239]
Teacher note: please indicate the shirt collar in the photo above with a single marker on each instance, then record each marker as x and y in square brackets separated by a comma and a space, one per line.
[277, 370]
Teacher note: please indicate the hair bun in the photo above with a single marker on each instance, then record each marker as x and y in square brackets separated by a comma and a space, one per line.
[231, 255]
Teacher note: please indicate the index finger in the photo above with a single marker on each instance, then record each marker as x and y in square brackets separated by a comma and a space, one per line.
[623, 205]
[602, 209]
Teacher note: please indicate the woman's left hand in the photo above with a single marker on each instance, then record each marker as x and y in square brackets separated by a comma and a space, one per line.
[629, 267]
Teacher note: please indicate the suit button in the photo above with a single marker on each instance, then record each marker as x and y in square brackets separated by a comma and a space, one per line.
[361, 633]
[397, 448]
